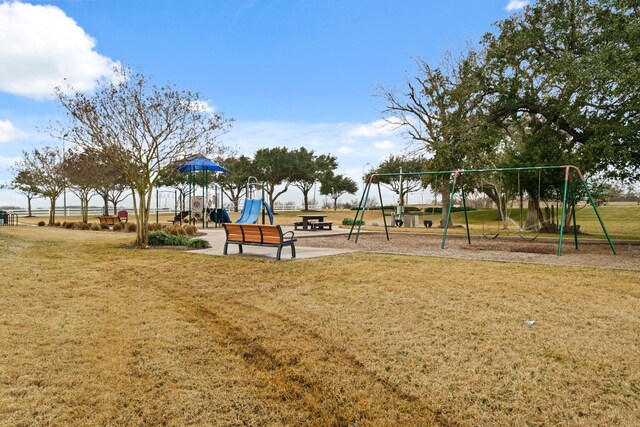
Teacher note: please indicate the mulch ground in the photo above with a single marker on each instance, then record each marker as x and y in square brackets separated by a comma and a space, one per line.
[508, 249]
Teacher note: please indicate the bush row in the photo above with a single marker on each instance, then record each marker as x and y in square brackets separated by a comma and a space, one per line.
[174, 230]
[161, 238]
[349, 221]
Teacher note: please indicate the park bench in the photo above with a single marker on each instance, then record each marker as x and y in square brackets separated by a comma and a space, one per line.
[258, 235]
[321, 225]
[109, 219]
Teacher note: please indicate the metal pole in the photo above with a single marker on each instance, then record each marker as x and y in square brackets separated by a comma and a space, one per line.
[157, 203]
[64, 179]
[564, 203]
[464, 206]
[573, 211]
[360, 205]
[362, 215]
[384, 219]
[584, 184]
[446, 224]
[205, 197]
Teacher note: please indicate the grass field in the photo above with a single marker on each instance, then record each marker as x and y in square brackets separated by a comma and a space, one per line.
[93, 333]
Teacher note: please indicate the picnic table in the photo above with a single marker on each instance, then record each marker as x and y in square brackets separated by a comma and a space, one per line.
[312, 222]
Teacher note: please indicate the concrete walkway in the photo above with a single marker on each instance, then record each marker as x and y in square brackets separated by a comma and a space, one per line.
[216, 238]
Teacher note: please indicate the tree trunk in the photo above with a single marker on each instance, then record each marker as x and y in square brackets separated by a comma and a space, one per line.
[445, 192]
[305, 196]
[496, 199]
[29, 206]
[105, 199]
[534, 214]
[335, 203]
[52, 210]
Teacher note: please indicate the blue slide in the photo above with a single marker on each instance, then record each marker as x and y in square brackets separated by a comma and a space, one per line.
[251, 211]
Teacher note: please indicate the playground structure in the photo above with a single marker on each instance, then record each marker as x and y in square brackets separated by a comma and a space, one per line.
[253, 206]
[209, 206]
[457, 181]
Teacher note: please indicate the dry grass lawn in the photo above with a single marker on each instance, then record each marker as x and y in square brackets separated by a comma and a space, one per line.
[93, 333]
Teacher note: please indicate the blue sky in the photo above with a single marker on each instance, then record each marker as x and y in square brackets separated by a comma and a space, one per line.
[291, 73]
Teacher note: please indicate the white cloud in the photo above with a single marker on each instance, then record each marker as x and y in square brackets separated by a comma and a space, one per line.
[374, 129]
[384, 145]
[7, 162]
[40, 47]
[516, 4]
[345, 150]
[8, 132]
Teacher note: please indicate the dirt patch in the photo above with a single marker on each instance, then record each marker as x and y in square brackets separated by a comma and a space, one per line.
[539, 251]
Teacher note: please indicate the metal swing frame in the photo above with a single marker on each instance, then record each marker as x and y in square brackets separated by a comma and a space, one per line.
[571, 173]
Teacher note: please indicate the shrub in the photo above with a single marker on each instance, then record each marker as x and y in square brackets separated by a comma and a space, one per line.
[85, 226]
[64, 224]
[190, 229]
[176, 230]
[69, 225]
[104, 226]
[117, 227]
[349, 221]
[58, 224]
[131, 227]
[157, 238]
[179, 240]
[95, 227]
[155, 227]
[198, 244]
[41, 223]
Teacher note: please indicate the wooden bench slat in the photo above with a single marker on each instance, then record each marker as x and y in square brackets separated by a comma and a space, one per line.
[257, 235]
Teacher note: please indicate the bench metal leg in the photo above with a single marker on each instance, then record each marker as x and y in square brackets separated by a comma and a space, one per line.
[226, 245]
[293, 251]
[278, 253]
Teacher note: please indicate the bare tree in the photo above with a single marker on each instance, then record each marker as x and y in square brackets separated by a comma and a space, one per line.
[142, 129]
[79, 169]
[441, 112]
[44, 166]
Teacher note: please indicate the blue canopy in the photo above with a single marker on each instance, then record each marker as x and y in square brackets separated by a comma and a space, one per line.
[200, 163]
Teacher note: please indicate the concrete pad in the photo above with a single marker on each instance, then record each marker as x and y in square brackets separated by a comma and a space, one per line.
[216, 238]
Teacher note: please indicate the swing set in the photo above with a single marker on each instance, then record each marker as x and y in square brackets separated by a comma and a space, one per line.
[573, 180]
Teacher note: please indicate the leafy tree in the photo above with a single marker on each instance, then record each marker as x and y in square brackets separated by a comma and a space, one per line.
[395, 164]
[141, 129]
[234, 183]
[314, 168]
[442, 114]
[335, 186]
[276, 166]
[571, 68]
[24, 183]
[44, 166]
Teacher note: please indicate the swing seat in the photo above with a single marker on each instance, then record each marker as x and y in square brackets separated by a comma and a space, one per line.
[428, 223]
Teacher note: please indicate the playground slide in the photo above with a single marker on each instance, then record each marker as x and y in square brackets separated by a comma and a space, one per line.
[266, 206]
[219, 216]
[251, 211]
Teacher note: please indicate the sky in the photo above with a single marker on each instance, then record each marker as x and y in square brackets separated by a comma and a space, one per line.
[289, 72]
